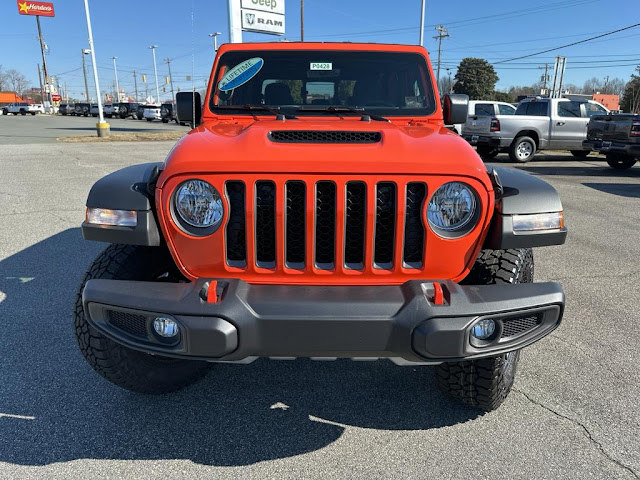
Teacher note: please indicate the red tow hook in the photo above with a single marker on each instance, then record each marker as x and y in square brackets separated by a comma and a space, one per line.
[438, 294]
[212, 294]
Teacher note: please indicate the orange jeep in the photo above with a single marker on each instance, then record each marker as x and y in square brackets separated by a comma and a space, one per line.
[319, 208]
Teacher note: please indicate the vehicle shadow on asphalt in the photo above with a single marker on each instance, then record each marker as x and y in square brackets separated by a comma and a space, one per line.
[54, 408]
[631, 190]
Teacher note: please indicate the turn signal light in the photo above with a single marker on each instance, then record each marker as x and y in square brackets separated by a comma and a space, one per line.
[538, 221]
[115, 218]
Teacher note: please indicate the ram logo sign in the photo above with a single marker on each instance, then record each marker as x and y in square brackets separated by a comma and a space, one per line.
[263, 16]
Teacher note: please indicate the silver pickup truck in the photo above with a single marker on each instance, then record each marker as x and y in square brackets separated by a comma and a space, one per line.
[538, 124]
[616, 136]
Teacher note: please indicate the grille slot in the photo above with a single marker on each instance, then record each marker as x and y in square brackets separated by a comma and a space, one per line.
[513, 327]
[236, 226]
[413, 225]
[295, 224]
[130, 323]
[355, 219]
[385, 225]
[323, 136]
[265, 224]
[325, 224]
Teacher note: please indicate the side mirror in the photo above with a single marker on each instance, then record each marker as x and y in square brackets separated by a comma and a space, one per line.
[455, 108]
[189, 107]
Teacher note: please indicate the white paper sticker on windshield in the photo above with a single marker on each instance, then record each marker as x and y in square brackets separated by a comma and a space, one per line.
[321, 66]
[240, 74]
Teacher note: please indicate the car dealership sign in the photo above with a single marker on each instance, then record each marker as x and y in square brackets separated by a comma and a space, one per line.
[43, 9]
[263, 16]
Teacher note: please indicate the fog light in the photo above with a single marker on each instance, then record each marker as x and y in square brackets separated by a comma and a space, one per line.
[483, 329]
[165, 327]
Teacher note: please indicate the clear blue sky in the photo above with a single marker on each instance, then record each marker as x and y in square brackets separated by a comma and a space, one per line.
[496, 30]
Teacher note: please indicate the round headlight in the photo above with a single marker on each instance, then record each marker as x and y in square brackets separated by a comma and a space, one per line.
[199, 204]
[451, 209]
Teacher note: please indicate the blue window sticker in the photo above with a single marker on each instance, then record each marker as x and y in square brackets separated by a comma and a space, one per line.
[240, 74]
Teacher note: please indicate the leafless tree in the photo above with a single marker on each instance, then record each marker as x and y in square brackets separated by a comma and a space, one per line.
[3, 80]
[16, 81]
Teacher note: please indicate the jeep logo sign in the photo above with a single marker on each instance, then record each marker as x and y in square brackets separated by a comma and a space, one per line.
[263, 16]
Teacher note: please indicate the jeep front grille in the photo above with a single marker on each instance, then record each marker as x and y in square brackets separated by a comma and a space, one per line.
[323, 226]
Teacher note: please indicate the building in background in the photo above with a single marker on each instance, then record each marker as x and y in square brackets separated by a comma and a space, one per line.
[612, 102]
[10, 97]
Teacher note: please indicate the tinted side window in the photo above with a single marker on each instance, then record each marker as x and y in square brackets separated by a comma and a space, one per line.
[484, 109]
[532, 108]
[594, 109]
[569, 109]
[506, 110]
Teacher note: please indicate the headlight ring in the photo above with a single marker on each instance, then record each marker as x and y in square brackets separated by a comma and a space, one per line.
[197, 207]
[452, 211]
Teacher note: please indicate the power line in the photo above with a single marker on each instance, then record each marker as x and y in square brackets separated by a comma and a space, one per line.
[570, 44]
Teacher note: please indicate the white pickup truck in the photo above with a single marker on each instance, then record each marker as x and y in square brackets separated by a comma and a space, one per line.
[538, 124]
[22, 108]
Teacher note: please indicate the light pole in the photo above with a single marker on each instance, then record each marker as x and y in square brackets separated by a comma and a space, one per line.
[173, 97]
[215, 40]
[422, 24]
[85, 51]
[103, 127]
[115, 69]
[155, 69]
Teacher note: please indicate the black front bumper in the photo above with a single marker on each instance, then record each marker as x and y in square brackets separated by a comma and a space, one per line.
[322, 321]
[630, 149]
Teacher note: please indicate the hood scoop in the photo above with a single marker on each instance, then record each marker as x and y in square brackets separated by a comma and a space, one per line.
[323, 136]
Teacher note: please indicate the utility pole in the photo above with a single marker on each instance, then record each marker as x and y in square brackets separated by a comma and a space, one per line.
[606, 84]
[85, 51]
[155, 68]
[45, 70]
[102, 127]
[215, 41]
[545, 79]
[442, 33]
[135, 83]
[422, 24]
[41, 89]
[168, 60]
[115, 68]
[302, 20]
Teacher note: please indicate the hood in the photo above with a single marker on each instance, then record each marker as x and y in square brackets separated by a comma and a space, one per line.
[241, 147]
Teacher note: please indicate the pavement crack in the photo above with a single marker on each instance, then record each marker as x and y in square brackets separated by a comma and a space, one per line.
[585, 430]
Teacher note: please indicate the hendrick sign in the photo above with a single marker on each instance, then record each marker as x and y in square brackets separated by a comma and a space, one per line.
[262, 22]
[43, 9]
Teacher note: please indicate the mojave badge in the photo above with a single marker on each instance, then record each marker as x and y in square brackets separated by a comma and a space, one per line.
[240, 74]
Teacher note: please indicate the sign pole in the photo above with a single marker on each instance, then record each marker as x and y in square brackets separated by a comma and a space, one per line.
[235, 25]
[47, 89]
[102, 127]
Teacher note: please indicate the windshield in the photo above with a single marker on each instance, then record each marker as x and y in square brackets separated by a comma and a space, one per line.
[387, 83]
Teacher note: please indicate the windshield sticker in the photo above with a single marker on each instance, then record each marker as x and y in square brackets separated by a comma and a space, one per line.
[240, 74]
[321, 66]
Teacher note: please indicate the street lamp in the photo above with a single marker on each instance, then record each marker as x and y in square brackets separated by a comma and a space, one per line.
[215, 40]
[102, 127]
[115, 68]
[155, 68]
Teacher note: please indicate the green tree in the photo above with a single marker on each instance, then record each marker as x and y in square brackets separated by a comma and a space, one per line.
[476, 78]
[630, 102]
[502, 97]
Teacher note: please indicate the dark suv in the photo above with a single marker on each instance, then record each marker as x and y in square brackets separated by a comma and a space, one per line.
[82, 109]
[168, 113]
[128, 110]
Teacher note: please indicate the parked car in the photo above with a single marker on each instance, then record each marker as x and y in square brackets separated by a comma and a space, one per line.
[94, 111]
[484, 108]
[66, 109]
[538, 124]
[140, 111]
[152, 112]
[617, 136]
[82, 109]
[22, 108]
[167, 113]
[108, 110]
[128, 110]
[305, 235]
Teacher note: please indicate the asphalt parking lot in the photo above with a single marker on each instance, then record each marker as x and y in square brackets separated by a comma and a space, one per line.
[573, 412]
[28, 129]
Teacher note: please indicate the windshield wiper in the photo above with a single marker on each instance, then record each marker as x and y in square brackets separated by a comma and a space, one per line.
[364, 115]
[280, 115]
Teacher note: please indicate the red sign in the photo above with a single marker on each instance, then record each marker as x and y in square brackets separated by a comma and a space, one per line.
[43, 9]
[56, 97]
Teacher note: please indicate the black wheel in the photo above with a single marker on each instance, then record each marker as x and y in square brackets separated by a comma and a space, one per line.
[488, 152]
[580, 153]
[33, 113]
[522, 149]
[164, 120]
[149, 119]
[486, 383]
[23, 112]
[127, 368]
[620, 162]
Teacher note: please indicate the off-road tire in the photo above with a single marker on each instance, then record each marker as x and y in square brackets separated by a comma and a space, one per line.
[487, 153]
[620, 162]
[125, 367]
[520, 146]
[486, 383]
[580, 153]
